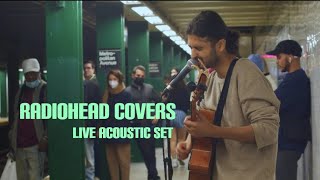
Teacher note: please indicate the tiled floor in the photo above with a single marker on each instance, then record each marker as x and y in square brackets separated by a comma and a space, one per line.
[138, 171]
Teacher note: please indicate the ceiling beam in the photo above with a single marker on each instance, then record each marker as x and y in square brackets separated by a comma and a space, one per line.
[232, 8]
[223, 14]
[211, 3]
[263, 18]
[165, 18]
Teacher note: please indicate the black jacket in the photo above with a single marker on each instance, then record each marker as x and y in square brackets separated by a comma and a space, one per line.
[92, 94]
[181, 98]
[113, 99]
[143, 94]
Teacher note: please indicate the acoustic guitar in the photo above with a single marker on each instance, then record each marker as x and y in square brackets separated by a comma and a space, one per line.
[200, 163]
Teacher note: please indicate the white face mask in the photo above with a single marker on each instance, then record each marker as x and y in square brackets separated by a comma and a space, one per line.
[173, 74]
[113, 84]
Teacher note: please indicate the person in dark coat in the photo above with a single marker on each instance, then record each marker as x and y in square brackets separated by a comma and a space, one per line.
[92, 94]
[117, 150]
[144, 93]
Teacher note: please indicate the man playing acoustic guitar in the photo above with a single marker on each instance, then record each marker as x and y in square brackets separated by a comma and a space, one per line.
[248, 135]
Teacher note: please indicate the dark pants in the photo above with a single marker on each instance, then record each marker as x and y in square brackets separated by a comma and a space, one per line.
[148, 150]
[287, 163]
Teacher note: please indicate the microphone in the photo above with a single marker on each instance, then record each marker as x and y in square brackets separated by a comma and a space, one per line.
[186, 69]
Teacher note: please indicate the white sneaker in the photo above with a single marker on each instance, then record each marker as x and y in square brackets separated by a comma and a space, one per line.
[175, 163]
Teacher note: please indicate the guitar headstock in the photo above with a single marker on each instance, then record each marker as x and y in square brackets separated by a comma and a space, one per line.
[201, 87]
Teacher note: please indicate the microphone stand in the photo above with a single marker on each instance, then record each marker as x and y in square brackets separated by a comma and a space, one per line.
[167, 162]
[191, 63]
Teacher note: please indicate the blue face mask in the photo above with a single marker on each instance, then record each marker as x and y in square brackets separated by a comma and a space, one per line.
[33, 84]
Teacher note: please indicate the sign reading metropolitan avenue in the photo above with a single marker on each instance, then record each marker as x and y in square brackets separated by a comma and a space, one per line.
[154, 69]
[109, 58]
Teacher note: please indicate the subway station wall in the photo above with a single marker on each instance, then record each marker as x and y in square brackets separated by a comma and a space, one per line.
[245, 45]
[303, 25]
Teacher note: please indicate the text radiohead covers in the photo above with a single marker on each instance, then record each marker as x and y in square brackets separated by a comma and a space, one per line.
[94, 111]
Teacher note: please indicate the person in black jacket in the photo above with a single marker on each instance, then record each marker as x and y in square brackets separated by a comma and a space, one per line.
[92, 94]
[180, 96]
[144, 93]
[117, 150]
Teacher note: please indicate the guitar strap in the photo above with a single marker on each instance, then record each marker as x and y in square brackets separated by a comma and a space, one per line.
[219, 111]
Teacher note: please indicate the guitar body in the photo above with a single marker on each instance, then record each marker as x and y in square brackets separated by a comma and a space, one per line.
[200, 165]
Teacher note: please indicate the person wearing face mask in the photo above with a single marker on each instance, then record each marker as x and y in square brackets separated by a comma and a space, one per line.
[180, 97]
[144, 93]
[117, 150]
[174, 72]
[294, 95]
[28, 137]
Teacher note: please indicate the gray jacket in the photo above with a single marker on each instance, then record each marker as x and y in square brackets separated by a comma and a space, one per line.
[38, 124]
[143, 94]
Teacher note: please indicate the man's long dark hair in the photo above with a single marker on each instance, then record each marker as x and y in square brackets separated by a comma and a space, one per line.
[209, 24]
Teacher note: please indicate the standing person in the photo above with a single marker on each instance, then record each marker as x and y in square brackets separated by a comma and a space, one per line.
[174, 72]
[144, 93]
[89, 70]
[117, 150]
[260, 62]
[248, 134]
[294, 95]
[27, 137]
[92, 94]
[180, 96]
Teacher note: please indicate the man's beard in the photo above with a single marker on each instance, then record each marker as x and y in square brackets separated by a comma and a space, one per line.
[214, 60]
[286, 67]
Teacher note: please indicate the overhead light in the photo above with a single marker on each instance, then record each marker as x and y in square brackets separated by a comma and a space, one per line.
[184, 46]
[163, 27]
[130, 2]
[20, 70]
[189, 51]
[169, 33]
[154, 20]
[143, 11]
[268, 56]
[44, 71]
[180, 42]
[176, 38]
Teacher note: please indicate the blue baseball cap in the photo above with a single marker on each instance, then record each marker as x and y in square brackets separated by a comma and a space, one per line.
[256, 58]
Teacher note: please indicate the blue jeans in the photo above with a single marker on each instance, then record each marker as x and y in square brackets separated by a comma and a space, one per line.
[287, 164]
[29, 163]
[178, 121]
[89, 150]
